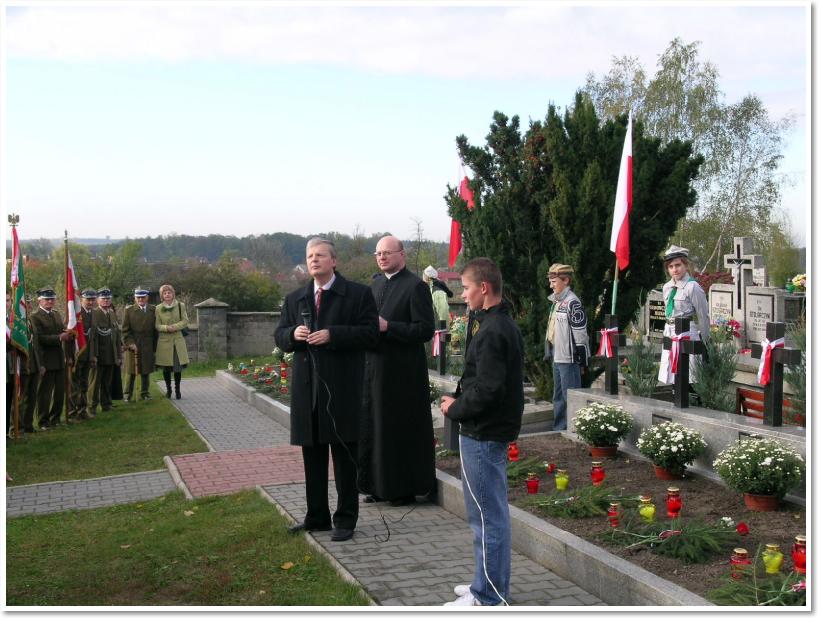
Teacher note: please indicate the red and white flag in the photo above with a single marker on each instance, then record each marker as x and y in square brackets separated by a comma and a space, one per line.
[74, 318]
[620, 230]
[467, 195]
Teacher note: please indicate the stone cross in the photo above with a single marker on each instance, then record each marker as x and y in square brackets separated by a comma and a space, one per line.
[682, 325]
[779, 358]
[742, 262]
[612, 364]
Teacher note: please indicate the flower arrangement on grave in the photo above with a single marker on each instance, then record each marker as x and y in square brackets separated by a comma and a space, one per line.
[434, 392]
[602, 425]
[757, 466]
[583, 502]
[757, 587]
[799, 282]
[671, 446]
[458, 328]
[724, 329]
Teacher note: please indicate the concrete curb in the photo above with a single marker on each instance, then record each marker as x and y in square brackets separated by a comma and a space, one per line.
[312, 542]
[89, 479]
[269, 407]
[603, 574]
[175, 477]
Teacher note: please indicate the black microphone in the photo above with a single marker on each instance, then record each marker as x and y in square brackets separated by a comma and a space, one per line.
[306, 315]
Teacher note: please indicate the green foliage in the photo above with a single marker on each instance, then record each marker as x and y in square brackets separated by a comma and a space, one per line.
[715, 373]
[797, 375]
[547, 195]
[756, 588]
[518, 471]
[585, 502]
[693, 541]
[640, 372]
[739, 182]
[760, 466]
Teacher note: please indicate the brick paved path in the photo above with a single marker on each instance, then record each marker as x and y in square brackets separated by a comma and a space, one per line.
[87, 493]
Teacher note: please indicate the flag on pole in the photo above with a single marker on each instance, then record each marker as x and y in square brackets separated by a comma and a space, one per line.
[620, 230]
[467, 195]
[74, 317]
[18, 329]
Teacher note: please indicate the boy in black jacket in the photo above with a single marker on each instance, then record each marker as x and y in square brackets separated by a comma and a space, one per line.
[488, 405]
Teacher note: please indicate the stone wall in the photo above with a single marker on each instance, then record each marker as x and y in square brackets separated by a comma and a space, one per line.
[251, 334]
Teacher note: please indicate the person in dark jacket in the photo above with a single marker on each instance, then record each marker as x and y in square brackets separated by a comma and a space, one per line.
[488, 405]
[49, 338]
[139, 337]
[85, 360]
[397, 432]
[329, 324]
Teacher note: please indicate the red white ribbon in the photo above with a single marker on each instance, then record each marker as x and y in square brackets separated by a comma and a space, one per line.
[673, 354]
[435, 344]
[764, 373]
[605, 348]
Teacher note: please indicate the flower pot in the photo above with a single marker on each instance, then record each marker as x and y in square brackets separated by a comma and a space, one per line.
[603, 452]
[760, 503]
[663, 473]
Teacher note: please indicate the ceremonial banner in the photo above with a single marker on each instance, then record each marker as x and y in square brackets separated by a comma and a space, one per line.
[18, 329]
[623, 202]
[74, 318]
[467, 195]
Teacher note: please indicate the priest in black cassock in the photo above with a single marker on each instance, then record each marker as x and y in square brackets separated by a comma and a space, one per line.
[397, 433]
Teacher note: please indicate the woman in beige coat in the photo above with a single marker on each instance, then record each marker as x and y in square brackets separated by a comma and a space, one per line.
[170, 320]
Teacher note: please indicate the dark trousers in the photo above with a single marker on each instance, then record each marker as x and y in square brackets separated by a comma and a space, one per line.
[143, 385]
[50, 395]
[99, 392]
[28, 400]
[315, 462]
[79, 388]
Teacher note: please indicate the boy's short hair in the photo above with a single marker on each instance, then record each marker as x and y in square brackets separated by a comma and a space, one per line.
[483, 270]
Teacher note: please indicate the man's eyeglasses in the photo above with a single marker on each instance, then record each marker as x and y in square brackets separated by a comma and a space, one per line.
[385, 253]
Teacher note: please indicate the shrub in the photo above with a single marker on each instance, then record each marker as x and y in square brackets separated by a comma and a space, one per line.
[602, 425]
[671, 446]
[760, 467]
[715, 372]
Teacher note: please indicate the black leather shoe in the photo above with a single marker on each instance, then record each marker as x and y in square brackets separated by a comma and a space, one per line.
[402, 501]
[340, 534]
[177, 394]
[372, 499]
[298, 527]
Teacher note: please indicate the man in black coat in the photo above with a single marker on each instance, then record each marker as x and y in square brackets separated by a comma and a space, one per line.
[397, 433]
[328, 325]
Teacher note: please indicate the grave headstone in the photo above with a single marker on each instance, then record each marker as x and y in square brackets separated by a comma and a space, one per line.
[770, 304]
[654, 315]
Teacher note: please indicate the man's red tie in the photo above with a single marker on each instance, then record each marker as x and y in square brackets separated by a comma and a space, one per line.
[317, 304]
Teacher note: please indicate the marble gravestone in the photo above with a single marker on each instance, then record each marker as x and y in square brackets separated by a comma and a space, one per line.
[727, 300]
[654, 315]
[770, 304]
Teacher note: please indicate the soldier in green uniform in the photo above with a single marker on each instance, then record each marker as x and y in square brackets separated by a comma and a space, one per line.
[139, 337]
[49, 337]
[86, 359]
[107, 349]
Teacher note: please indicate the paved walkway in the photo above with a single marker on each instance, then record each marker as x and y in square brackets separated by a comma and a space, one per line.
[429, 549]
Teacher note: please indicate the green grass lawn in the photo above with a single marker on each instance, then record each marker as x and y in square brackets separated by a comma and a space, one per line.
[230, 550]
[129, 438]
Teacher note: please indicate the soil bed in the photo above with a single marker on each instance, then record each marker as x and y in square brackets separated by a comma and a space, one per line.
[701, 498]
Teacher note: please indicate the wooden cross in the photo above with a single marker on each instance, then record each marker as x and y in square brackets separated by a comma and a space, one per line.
[612, 364]
[742, 262]
[682, 325]
[779, 358]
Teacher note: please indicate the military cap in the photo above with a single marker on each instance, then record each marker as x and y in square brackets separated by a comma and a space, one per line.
[560, 268]
[140, 291]
[104, 292]
[89, 293]
[47, 293]
[675, 252]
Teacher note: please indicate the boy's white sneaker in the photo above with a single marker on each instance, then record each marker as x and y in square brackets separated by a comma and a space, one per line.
[466, 600]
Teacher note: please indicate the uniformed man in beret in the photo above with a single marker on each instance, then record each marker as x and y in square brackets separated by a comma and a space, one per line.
[139, 337]
[86, 359]
[49, 339]
[107, 351]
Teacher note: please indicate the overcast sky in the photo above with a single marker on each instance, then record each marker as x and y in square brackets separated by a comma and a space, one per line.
[135, 120]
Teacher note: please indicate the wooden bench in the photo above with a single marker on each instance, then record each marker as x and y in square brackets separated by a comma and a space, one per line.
[751, 403]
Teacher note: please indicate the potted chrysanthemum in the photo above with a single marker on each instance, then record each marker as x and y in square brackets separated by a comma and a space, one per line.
[602, 426]
[671, 447]
[762, 470]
